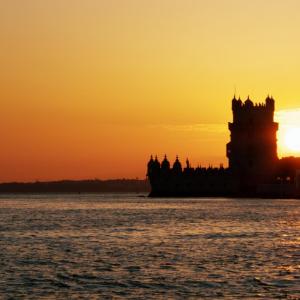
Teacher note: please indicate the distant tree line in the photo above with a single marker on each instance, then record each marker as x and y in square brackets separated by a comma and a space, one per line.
[78, 186]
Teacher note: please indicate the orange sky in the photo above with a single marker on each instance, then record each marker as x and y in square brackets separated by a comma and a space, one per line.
[91, 88]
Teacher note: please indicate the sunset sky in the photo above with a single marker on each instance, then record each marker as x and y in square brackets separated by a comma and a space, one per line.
[91, 88]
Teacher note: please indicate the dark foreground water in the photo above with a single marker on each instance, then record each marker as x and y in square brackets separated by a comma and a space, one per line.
[124, 246]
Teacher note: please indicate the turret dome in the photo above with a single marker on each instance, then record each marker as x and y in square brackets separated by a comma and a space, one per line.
[248, 102]
[177, 165]
[165, 164]
[156, 162]
[151, 161]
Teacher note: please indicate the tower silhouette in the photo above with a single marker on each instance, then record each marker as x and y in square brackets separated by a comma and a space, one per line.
[252, 150]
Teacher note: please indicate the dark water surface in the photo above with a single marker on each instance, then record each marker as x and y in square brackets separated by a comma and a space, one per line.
[124, 246]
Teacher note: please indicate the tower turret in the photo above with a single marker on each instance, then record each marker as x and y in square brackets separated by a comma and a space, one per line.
[236, 104]
[248, 103]
[188, 165]
[156, 163]
[270, 103]
[150, 166]
[165, 165]
[177, 166]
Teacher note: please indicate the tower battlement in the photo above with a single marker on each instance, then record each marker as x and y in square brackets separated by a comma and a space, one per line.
[249, 112]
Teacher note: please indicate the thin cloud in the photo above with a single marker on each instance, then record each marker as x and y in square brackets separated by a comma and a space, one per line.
[199, 127]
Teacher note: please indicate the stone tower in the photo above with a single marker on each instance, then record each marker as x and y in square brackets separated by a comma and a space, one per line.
[252, 150]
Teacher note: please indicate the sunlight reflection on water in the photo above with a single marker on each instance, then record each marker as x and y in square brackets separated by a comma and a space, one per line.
[125, 246]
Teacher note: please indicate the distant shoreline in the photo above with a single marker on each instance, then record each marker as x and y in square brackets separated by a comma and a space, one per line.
[77, 186]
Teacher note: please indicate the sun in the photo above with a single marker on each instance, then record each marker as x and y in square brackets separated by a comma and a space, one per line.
[292, 139]
[288, 136]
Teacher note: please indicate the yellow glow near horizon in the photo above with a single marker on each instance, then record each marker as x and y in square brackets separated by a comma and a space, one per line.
[292, 140]
[289, 132]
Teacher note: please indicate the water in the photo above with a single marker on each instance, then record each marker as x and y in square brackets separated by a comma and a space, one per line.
[124, 246]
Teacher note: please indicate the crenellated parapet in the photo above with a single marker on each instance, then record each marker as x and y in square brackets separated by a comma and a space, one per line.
[187, 181]
[249, 112]
[155, 168]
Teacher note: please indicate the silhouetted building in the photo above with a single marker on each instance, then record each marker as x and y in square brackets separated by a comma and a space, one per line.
[254, 168]
[252, 150]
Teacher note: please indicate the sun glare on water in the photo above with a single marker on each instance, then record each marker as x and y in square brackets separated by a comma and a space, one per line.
[289, 132]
